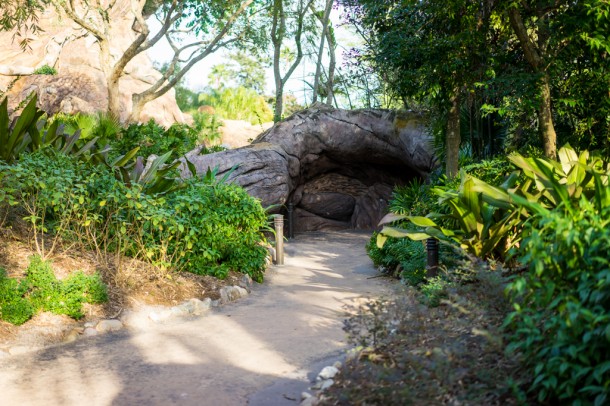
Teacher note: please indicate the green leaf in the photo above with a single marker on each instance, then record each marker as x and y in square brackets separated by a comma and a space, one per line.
[391, 217]
[401, 233]
[417, 220]
[124, 159]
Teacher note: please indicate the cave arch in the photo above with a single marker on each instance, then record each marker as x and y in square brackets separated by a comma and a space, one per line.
[337, 167]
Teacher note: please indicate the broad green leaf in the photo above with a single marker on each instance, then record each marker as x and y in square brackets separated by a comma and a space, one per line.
[401, 233]
[154, 167]
[124, 159]
[381, 239]
[420, 221]
[391, 217]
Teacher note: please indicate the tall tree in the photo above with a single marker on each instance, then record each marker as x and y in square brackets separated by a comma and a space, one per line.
[561, 40]
[431, 51]
[534, 42]
[193, 29]
[288, 22]
[324, 20]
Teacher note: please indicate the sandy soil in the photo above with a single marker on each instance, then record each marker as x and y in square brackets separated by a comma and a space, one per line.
[261, 350]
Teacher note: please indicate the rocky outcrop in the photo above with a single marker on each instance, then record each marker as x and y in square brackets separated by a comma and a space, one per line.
[337, 167]
[79, 85]
[239, 133]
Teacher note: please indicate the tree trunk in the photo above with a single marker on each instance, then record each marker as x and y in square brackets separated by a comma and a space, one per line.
[535, 57]
[278, 31]
[279, 103]
[112, 81]
[325, 21]
[277, 35]
[332, 46]
[453, 139]
[545, 118]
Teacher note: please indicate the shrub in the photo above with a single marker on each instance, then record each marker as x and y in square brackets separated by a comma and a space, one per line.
[399, 257]
[207, 127]
[62, 297]
[238, 104]
[561, 322]
[155, 139]
[45, 70]
[40, 290]
[221, 227]
[14, 307]
[56, 194]
[206, 226]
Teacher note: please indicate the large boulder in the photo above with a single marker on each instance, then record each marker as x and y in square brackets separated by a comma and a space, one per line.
[336, 167]
[79, 85]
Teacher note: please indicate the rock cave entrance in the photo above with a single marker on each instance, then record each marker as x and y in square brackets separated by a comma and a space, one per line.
[337, 167]
[347, 196]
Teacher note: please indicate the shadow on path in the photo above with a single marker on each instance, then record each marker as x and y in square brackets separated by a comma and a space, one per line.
[262, 350]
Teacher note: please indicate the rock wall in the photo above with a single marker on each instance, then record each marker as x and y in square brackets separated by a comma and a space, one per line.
[337, 167]
[79, 84]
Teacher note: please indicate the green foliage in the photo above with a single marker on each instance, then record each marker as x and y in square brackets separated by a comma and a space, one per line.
[238, 104]
[155, 139]
[207, 126]
[245, 70]
[490, 219]
[62, 297]
[45, 70]
[206, 226]
[15, 136]
[40, 290]
[483, 229]
[399, 257]
[221, 230]
[186, 98]
[413, 199]
[561, 323]
[434, 290]
[14, 307]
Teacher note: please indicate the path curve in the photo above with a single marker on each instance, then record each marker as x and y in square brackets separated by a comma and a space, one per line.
[261, 350]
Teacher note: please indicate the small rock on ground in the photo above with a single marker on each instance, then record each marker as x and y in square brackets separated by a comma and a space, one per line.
[108, 325]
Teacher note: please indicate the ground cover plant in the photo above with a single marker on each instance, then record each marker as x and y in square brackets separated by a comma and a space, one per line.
[40, 290]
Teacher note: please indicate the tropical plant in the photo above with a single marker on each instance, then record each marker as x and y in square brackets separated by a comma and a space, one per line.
[483, 229]
[153, 139]
[490, 218]
[560, 326]
[15, 136]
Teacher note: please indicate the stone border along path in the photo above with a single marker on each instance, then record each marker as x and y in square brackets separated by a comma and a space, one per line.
[264, 350]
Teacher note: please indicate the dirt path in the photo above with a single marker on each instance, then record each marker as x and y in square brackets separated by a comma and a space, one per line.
[261, 350]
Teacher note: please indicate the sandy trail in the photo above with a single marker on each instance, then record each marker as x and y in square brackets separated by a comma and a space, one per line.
[261, 350]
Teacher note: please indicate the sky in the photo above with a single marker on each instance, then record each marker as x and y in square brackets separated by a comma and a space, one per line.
[197, 77]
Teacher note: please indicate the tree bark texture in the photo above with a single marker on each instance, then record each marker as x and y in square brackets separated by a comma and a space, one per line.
[453, 138]
[535, 58]
[325, 21]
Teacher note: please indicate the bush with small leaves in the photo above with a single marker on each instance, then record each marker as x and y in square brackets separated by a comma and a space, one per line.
[66, 296]
[14, 307]
[561, 323]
